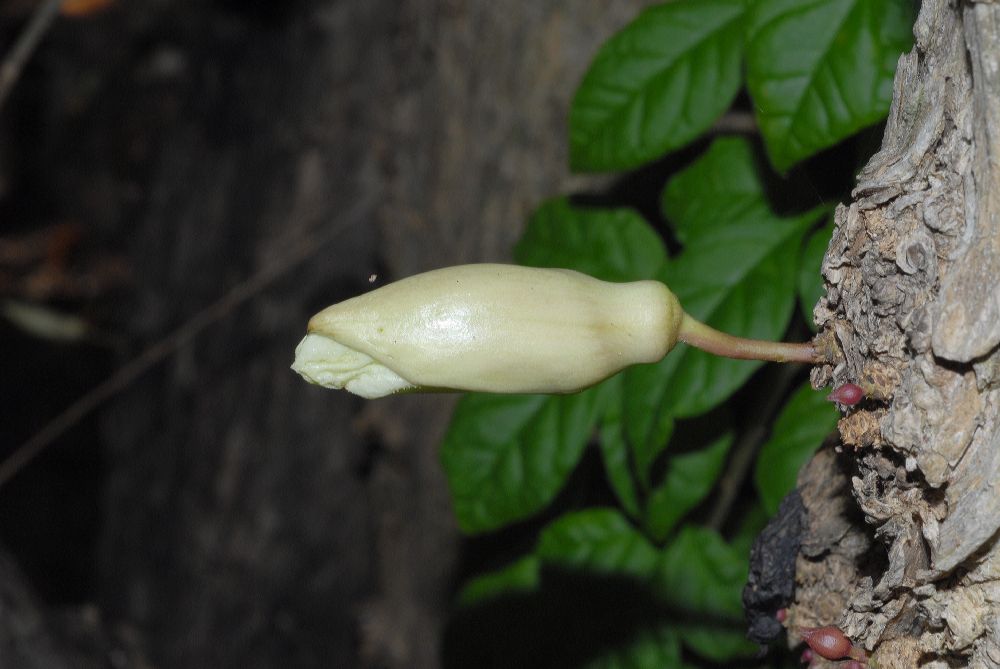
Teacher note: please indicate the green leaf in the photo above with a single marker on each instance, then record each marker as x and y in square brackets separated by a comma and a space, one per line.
[703, 575]
[610, 244]
[737, 273]
[651, 648]
[810, 280]
[646, 454]
[600, 541]
[689, 478]
[518, 577]
[799, 430]
[717, 643]
[721, 188]
[820, 70]
[657, 84]
[628, 465]
[752, 524]
[617, 458]
[506, 456]
[700, 572]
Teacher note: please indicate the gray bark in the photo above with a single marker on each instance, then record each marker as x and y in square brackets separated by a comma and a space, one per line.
[913, 306]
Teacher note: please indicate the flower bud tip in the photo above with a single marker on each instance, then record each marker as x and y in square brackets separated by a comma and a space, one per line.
[325, 362]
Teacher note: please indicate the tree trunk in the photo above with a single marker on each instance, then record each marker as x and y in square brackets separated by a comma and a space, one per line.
[910, 567]
[252, 520]
[249, 520]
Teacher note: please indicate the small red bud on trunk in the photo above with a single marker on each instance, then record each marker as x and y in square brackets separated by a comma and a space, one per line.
[828, 642]
[848, 394]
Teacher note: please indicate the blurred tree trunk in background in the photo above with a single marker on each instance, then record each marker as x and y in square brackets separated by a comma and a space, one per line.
[248, 519]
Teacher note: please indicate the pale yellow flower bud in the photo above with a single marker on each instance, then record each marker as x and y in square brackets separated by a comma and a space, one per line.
[490, 328]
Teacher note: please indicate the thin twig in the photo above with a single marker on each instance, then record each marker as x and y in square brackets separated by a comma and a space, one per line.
[735, 122]
[302, 250]
[15, 60]
[747, 446]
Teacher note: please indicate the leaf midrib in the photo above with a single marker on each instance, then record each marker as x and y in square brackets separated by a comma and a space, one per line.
[796, 112]
[633, 94]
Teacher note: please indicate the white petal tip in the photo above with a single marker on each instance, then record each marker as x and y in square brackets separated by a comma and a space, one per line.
[325, 362]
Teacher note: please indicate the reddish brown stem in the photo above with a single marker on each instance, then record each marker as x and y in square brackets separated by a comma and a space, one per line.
[701, 336]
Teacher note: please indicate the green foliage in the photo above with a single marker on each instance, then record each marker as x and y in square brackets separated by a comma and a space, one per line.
[699, 573]
[799, 430]
[703, 575]
[752, 522]
[657, 84]
[611, 244]
[820, 70]
[506, 456]
[737, 273]
[810, 280]
[627, 476]
[599, 541]
[689, 479]
[651, 648]
[816, 72]
[520, 576]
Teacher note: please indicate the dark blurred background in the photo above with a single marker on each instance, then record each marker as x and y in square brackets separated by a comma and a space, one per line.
[157, 155]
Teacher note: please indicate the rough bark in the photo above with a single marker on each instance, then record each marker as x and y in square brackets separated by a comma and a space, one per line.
[913, 307]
